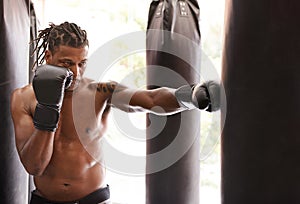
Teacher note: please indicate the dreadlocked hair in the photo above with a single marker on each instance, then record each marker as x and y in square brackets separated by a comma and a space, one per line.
[68, 34]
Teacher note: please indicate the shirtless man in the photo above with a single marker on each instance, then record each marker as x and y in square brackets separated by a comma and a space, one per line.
[48, 141]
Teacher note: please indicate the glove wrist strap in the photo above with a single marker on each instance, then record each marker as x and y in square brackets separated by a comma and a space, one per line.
[46, 117]
[184, 97]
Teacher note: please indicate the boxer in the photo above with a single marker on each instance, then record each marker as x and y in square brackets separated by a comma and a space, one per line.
[47, 139]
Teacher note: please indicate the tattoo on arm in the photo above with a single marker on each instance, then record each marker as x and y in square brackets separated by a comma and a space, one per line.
[106, 87]
[109, 87]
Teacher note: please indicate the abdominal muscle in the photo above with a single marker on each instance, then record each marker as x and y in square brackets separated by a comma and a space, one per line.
[71, 174]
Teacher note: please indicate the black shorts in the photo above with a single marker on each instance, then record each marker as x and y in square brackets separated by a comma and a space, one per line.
[96, 197]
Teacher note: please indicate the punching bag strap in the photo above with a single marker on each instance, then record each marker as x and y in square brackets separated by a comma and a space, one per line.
[183, 8]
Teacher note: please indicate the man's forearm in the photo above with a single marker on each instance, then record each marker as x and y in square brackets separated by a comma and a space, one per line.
[37, 152]
[162, 101]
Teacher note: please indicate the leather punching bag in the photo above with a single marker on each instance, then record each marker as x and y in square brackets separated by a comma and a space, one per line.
[261, 76]
[14, 43]
[173, 59]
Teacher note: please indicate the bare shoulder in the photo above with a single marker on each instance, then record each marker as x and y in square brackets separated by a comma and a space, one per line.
[23, 97]
[25, 92]
[108, 87]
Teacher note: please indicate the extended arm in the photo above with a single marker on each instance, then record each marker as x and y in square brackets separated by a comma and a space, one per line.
[161, 101]
[164, 100]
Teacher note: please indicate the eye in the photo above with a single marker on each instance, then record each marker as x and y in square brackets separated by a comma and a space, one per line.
[66, 64]
[82, 64]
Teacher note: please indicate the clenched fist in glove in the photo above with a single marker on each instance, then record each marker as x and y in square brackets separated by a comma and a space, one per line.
[49, 84]
[203, 96]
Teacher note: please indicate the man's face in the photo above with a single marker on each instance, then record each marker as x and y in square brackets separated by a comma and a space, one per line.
[72, 58]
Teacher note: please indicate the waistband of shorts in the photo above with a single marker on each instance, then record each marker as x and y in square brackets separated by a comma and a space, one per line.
[96, 197]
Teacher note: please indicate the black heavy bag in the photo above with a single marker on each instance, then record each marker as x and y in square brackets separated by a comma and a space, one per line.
[33, 35]
[14, 46]
[173, 59]
[261, 75]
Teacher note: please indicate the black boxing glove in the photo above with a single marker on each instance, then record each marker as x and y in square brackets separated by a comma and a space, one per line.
[205, 96]
[49, 84]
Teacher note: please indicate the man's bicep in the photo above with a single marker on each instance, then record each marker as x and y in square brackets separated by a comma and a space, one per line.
[133, 100]
[22, 120]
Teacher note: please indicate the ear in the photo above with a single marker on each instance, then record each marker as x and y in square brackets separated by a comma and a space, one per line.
[48, 56]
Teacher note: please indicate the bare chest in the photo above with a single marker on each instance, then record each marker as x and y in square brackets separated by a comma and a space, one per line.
[81, 116]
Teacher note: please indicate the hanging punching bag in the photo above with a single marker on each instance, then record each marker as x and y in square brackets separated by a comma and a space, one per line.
[173, 59]
[32, 59]
[33, 35]
[14, 42]
[261, 76]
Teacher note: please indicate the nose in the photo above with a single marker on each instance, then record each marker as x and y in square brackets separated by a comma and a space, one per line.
[76, 72]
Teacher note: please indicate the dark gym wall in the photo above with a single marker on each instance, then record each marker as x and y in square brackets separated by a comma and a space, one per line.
[261, 75]
[14, 46]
